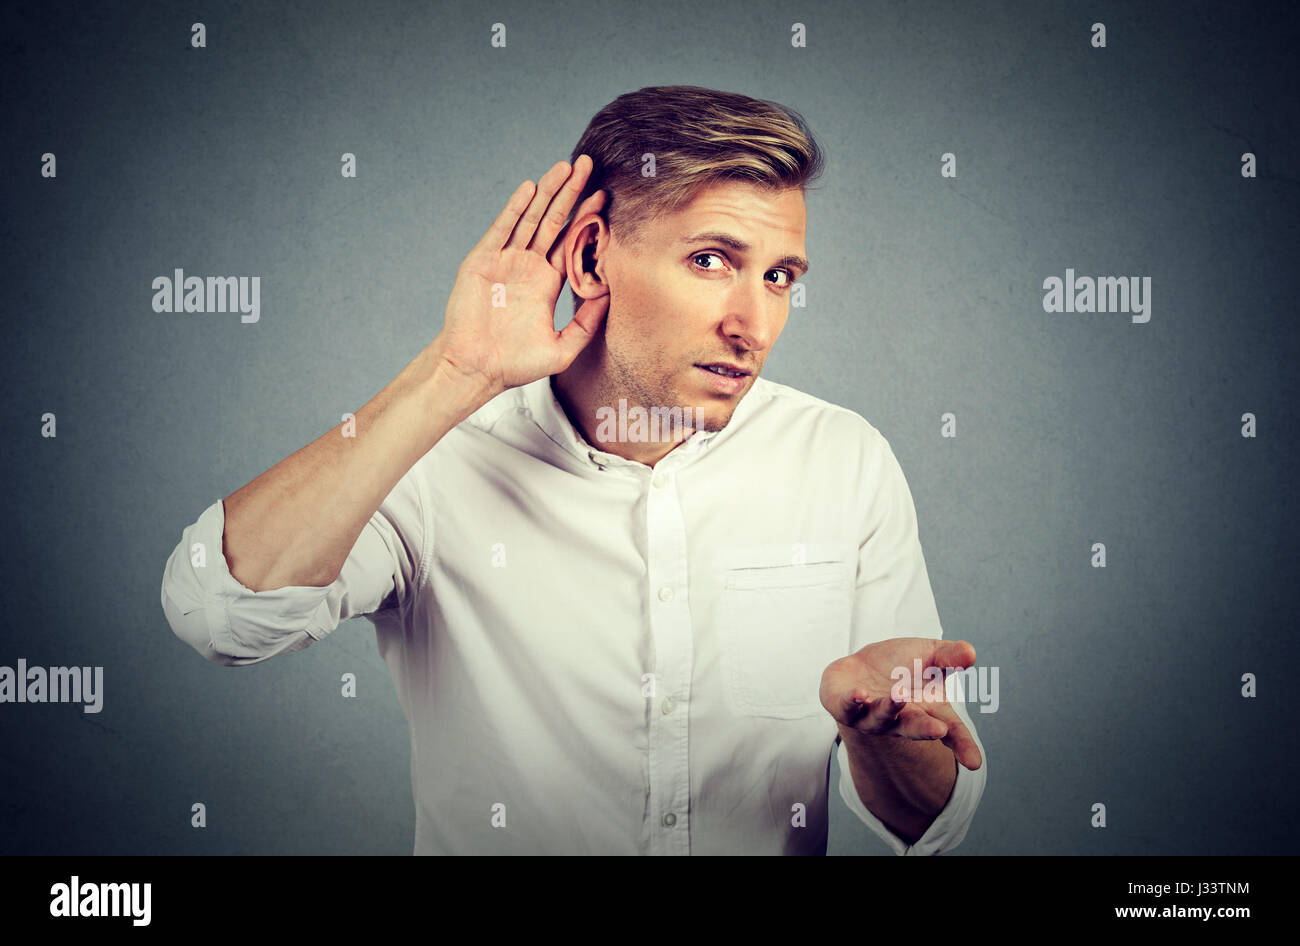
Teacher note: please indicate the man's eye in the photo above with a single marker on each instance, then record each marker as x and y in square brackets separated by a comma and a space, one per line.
[785, 281]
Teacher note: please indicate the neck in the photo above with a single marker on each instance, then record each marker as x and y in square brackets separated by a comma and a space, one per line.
[585, 387]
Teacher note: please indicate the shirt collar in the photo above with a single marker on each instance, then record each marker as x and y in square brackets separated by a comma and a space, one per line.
[542, 405]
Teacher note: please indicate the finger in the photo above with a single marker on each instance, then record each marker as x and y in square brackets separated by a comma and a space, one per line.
[593, 204]
[958, 737]
[499, 232]
[546, 187]
[582, 328]
[556, 256]
[953, 655]
[914, 722]
[558, 212]
[877, 714]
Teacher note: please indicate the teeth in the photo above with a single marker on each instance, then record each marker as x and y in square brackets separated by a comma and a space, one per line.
[723, 371]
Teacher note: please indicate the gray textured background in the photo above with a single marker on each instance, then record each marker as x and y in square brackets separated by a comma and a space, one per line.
[1118, 685]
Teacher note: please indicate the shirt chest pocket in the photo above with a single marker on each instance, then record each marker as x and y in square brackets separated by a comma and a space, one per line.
[779, 628]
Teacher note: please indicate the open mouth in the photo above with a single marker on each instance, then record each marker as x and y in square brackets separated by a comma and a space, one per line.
[724, 370]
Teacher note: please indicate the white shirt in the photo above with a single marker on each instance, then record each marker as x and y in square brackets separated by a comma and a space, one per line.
[599, 657]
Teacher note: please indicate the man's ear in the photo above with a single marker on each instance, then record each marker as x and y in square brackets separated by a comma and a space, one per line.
[584, 244]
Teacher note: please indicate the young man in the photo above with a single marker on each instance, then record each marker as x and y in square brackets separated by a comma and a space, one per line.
[607, 635]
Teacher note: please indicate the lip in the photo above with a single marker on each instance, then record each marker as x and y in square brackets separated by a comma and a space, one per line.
[724, 364]
[721, 383]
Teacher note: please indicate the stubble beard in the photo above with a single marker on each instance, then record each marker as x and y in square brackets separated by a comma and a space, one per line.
[654, 388]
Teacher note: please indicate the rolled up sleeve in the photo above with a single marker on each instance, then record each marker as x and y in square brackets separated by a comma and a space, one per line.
[230, 624]
[893, 598]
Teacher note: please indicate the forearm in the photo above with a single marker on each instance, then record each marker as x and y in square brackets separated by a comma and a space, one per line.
[296, 523]
[903, 782]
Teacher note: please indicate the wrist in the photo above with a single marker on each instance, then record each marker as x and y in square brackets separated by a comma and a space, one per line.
[850, 736]
[868, 743]
[447, 385]
[433, 396]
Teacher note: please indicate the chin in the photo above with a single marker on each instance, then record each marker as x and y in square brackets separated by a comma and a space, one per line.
[712, 421]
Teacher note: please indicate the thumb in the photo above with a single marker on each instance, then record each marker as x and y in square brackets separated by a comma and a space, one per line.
[575, 336]
[953, 654]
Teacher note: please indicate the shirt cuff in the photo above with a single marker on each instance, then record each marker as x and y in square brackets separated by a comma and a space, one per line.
[949, 826]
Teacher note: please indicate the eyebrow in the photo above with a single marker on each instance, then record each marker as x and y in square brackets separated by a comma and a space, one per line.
[726, 239]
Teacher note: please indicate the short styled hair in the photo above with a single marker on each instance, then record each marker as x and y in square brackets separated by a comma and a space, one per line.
[689, 137]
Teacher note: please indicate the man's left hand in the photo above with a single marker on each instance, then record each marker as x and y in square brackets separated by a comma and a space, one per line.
[857, 691]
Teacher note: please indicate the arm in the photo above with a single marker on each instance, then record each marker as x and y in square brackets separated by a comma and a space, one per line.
[911, 765]
[297, 551]
[913, 760]
[296, 523]
[233, 615]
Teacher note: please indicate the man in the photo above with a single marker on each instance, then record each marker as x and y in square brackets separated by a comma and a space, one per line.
[613, 637]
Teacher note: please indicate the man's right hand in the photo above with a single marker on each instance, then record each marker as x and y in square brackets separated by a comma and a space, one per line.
[514, 341]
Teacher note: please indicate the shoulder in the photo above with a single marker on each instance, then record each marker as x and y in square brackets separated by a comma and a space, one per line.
[467, 437]
[781, 408]
[508, 403]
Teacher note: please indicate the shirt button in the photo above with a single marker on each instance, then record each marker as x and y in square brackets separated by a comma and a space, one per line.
[670, 819]
[669, 706]
[660, 480]
[665, 593]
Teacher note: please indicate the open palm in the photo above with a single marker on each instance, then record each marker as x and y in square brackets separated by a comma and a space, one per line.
[856, 691]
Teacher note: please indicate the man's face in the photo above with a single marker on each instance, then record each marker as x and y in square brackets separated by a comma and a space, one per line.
[708, 284]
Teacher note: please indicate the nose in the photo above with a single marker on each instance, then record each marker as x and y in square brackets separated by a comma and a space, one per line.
[751, 314]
